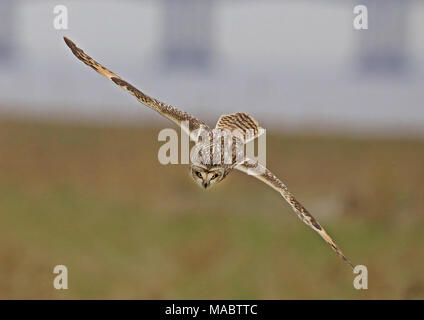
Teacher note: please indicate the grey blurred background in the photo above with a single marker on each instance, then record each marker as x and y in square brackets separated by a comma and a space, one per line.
[294, 65]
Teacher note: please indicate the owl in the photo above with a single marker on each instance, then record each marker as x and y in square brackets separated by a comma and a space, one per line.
[203, 169]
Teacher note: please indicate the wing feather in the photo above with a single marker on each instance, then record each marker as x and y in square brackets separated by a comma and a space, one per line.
[172, 113]
[266, 176]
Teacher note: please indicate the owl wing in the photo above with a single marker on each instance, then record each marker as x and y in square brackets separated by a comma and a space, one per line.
[260, 172]
[173, 114]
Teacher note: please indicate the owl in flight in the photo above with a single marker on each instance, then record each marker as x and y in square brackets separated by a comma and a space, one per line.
[207, 173]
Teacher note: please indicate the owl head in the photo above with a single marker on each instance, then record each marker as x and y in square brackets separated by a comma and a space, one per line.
[206, 177]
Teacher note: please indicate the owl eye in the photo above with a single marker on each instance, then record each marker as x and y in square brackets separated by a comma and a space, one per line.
[198, 174]
[215, 176]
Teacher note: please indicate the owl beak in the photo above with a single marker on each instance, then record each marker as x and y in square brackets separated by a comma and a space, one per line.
[205, 185]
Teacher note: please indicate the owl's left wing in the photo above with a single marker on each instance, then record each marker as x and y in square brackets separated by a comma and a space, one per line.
[175, 115]
[260, 172]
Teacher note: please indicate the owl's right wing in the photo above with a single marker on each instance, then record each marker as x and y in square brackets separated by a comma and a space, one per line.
[172, 113]
[263, 174]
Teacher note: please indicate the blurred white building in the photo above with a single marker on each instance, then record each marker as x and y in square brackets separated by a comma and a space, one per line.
[187, 34]
[7, 31]
[291, 64]
[384, 46]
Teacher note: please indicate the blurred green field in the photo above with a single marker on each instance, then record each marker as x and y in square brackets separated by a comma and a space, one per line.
[97, 200]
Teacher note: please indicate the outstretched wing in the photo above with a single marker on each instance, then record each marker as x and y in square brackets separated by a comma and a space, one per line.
[260, 172]
[173, 114]
[240, 123]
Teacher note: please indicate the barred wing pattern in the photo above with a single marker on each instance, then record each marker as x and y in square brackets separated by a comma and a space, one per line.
[240, 123]
[173, 114]
[266, 176]
[239, 120]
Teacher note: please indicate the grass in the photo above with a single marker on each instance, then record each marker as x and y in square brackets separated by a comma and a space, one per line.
[97, 200]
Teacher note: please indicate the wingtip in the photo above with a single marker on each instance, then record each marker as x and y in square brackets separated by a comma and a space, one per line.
[350, 264]
[68, 42]
[340, 253]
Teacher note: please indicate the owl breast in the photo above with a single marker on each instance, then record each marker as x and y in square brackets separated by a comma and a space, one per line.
[223, 152]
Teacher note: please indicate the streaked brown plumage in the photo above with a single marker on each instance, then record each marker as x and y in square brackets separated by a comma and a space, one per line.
[207, 174]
